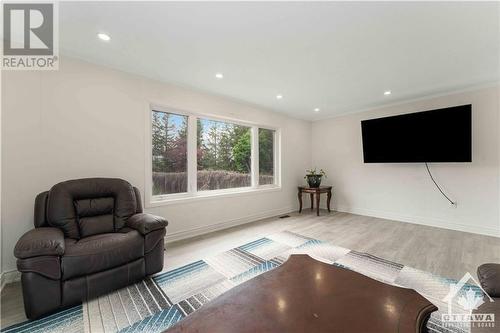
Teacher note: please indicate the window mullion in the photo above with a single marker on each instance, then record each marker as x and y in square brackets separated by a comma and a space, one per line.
[255, 156]
[192, 161]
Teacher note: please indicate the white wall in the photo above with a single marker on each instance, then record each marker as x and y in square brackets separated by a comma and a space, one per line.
[86, 121]
[404, 191]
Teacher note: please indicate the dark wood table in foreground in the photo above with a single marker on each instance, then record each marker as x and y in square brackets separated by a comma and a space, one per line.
[306, 295]
[315, 191]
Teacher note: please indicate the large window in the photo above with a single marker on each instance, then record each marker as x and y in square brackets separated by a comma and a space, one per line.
[195, 156]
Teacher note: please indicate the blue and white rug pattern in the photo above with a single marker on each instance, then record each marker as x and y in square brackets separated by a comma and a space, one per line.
[155, 304]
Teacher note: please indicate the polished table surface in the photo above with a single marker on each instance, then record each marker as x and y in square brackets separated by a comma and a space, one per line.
[306, 295]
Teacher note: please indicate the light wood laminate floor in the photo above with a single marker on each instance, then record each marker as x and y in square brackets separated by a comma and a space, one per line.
[444, 252]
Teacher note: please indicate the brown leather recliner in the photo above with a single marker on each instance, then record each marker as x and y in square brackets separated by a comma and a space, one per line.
[90, 238]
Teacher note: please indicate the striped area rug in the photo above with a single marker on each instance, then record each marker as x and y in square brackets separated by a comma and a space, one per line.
[157, 303]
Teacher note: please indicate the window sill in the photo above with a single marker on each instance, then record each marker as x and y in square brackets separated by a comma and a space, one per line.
[188, 198]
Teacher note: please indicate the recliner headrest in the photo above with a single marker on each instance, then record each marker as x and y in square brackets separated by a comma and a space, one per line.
[62, 212]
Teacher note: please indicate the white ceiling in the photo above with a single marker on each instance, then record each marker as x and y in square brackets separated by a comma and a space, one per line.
[337, 56]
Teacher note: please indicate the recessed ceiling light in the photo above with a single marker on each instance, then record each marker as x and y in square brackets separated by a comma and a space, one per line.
[219, 76]
[279, 96]
[316, 110]
[387, 92]
[104, 37]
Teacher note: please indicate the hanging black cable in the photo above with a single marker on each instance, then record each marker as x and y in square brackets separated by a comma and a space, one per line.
[439, 188]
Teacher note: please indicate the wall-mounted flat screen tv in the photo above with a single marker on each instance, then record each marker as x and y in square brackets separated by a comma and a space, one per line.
[442, 135]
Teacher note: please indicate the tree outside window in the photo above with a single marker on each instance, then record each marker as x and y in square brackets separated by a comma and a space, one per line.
[224, 155]
[266, 156]
[169, 138]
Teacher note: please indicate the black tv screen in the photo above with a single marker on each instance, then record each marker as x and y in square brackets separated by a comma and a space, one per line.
[442, 135]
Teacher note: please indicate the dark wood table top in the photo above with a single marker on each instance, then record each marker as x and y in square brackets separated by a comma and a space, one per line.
[321, 188]
[306, 295]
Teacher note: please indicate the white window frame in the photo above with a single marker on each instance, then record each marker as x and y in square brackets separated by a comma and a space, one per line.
[192, 193]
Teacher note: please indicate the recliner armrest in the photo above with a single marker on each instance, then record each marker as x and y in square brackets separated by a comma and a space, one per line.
[40, 242]
[145, 223]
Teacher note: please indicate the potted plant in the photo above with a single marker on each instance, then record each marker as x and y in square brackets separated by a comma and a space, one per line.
[314, 177]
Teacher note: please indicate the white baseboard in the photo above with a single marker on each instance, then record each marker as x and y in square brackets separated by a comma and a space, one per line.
[193, 232]
[431, 222]
[9, 277]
